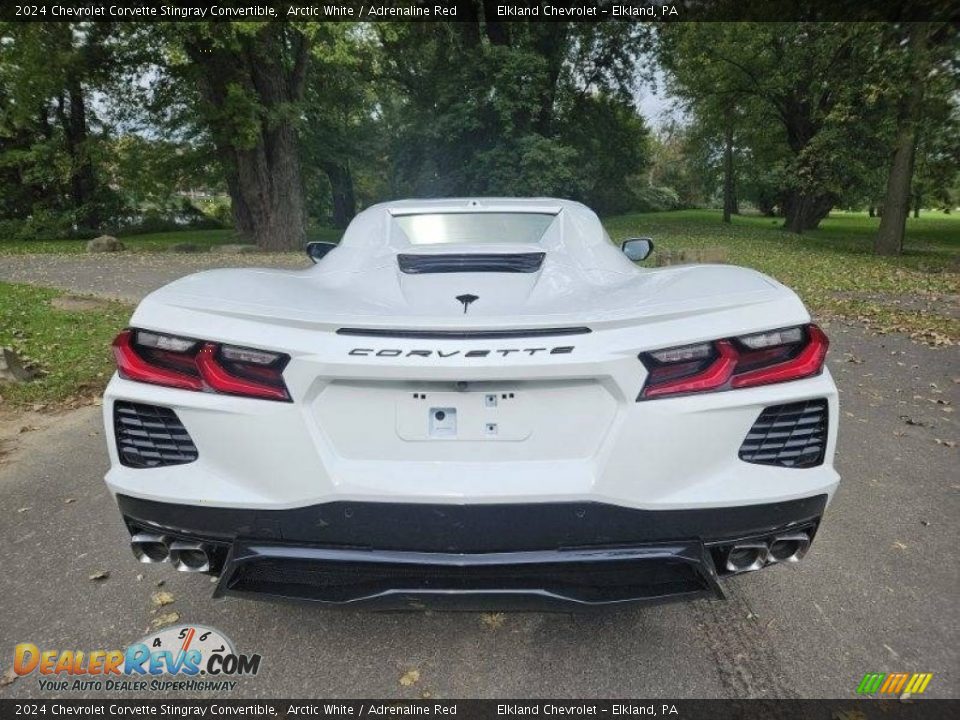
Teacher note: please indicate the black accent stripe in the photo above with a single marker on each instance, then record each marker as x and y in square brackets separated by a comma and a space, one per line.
[468, 528]
[463, 334]
[471, 262]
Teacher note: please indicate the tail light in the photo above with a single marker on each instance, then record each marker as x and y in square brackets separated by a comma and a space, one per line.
[758, 359]
[197, 365]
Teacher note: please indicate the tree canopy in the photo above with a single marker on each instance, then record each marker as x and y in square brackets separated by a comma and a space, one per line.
[103, 125]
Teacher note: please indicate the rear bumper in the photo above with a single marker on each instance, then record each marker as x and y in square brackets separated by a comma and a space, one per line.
[396, 555]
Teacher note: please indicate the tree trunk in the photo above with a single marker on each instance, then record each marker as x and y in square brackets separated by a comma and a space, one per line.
[916, 205]
[729, 194]
[262, 167]
[896, 204]
[72, 116]
[804, 212]
[871, 211]
[267, 193]
[341, 188]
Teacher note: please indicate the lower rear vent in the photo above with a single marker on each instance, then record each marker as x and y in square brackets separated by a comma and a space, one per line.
[792, 435]
[149, 436]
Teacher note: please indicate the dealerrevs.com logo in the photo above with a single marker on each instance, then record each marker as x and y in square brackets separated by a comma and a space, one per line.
[179, 657]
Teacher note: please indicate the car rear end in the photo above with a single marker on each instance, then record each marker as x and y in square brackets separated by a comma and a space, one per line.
[548, 464]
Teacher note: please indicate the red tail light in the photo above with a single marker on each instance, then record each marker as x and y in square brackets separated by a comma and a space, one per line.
[747, 361]
[196, 365]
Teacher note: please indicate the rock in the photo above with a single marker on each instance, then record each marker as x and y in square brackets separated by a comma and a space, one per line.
[236, 249]
[11, 369]
[185, 248]
[105, 243]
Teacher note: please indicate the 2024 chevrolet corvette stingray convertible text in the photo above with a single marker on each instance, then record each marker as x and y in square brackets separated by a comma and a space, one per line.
[472, 400]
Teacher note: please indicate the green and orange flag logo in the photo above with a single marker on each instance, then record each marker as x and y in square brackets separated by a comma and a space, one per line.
[894, 683]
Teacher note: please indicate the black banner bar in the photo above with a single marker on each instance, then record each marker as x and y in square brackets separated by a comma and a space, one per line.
[468, 10]
[915, 709]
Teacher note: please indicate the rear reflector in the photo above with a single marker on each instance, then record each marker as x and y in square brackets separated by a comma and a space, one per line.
[201, 366]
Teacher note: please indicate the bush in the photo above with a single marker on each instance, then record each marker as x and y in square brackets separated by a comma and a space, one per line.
[186, 216]
[217, 209]
[653, 198]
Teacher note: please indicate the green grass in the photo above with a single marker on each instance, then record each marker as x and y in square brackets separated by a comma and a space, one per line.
[71, 350]
[833, 268]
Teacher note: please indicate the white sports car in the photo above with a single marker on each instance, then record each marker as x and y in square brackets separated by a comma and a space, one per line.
[472, 400]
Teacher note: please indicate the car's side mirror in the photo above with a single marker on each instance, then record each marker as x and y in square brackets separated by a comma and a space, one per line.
[317, 250]
[637, 248]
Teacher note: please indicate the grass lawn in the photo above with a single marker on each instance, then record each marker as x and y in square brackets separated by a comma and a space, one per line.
[833, 268]
[70, 348]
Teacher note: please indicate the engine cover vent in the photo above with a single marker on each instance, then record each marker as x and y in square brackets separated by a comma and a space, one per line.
[792, 435]
[471, 262]
[149, 436]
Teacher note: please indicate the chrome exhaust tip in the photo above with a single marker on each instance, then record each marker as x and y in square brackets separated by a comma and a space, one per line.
[149, 548]
[189, 557]
[745, 557]
[788, 548]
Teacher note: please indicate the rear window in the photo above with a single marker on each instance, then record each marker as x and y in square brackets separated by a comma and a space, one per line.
[464, 228]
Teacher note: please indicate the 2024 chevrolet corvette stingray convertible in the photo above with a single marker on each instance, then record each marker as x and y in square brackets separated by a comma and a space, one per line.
[472, 401]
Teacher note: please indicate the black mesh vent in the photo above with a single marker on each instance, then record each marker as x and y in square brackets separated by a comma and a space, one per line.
[149, 436]
[793, 435]
[471, 262]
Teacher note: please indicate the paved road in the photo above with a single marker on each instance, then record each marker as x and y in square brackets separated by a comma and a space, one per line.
[127, 276]
[878, 592]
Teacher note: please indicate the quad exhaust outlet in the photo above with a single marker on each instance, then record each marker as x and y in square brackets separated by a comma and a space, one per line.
[189, 557]
[149, 548]
[184, 556]
[755, 554]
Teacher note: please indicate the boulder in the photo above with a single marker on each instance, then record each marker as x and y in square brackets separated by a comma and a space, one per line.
[105, 243]
[11, 369]
[236, 249]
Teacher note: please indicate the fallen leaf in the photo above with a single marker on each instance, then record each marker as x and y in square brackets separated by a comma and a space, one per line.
[493, 620]
[166, 619]
[140, 577]
[23, 509]
[8, 677]
[99, 575]
[899, 545]
[410, 677]
[162, 598]
[67, 501]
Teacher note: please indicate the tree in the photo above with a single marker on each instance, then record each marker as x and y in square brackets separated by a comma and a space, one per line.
[243, 84]
[919, 65]
[49, 72]
[484, 107]
[803, 81]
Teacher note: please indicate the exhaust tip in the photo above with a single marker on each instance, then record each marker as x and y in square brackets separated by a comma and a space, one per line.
[746, 557]
[189, 557]
[149, 548]
[789, 548]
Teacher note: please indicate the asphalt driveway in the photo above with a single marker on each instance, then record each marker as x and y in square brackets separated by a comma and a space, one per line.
[878, 592]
